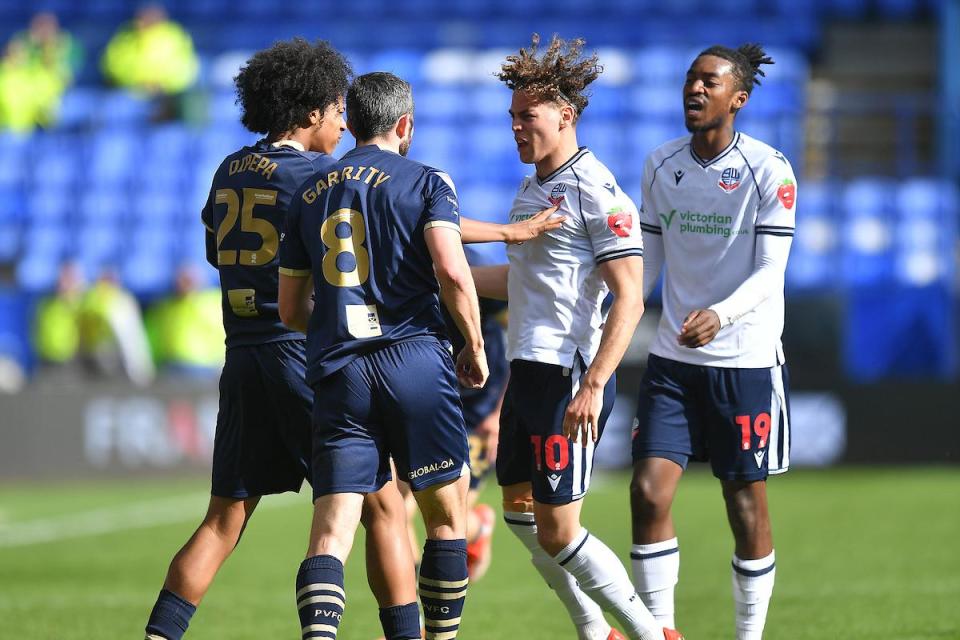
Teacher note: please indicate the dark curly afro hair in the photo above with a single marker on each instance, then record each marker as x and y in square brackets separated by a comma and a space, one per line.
[557, 75]
[280, 86]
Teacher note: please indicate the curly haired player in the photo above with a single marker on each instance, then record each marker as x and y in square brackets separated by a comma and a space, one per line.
[720, 203]
[563, 346]
[293, 93]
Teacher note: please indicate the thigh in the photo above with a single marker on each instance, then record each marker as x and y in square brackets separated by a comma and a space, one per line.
[746, 422]
[350, 453]
[558, 468]
[668, 419]
[419, 401]
[255, 450]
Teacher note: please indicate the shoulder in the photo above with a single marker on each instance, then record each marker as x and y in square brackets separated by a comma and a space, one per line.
[760, 155]
[667, 150]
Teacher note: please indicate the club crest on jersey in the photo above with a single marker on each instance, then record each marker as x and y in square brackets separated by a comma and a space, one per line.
[729, 179]
[620, 222]
[558, 194]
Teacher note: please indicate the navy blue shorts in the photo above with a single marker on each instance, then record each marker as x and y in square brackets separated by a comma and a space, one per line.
[532, 445]
[262, 443]
[399, 401]
[737, 419]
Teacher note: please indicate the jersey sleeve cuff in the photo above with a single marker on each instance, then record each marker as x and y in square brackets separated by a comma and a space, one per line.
[772, 230]
[649, 228]
[296, 273]
[620, 253]
[724, 314]
[442, 224]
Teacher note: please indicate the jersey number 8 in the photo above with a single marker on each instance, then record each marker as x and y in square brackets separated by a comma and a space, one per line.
[346, 262]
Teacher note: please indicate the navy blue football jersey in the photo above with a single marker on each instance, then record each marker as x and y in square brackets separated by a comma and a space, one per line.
[358, 229]
[244, 215]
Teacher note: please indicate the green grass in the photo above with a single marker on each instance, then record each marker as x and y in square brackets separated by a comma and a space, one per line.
[860, 554]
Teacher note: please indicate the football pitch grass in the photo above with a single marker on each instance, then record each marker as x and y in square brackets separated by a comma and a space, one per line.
[861, 553]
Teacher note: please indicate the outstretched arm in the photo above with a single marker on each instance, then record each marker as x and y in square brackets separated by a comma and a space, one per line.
[514, 233]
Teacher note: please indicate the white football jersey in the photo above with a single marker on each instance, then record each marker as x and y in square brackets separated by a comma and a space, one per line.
[709, 215]
[555, 287]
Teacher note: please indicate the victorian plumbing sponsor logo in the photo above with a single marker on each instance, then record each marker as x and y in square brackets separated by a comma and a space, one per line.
[708, 224]
[431, 468]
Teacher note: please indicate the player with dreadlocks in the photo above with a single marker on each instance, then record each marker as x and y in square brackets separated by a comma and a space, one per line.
[563, 346]
[718, 212]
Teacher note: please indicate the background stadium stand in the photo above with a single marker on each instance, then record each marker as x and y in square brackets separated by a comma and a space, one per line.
[107, 187]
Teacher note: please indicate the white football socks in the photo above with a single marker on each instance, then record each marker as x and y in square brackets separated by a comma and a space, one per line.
[656, 571]
[752, 588]
[601, 575]
[584, 612]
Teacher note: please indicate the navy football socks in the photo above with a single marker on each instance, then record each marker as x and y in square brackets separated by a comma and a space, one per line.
[320, 596]
[170, 616]
[443, 586]
[401, 622]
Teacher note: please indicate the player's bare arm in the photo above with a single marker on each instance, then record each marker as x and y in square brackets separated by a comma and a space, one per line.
[475, 231]
[460, 297]
[491, 281]
[624, 277]
[295, 301]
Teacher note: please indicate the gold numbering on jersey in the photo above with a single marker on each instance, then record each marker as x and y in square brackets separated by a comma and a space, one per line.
[352, 244]
[270, 240]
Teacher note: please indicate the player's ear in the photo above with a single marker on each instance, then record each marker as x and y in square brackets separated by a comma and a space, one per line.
[568, 116]
[314, 117]
[740, 100]
[404, 125]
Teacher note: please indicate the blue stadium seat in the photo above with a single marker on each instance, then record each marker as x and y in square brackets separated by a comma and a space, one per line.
[49, 207]
[14, 145]
[490, 103]
[486, 202]
[115, 154]
[120, 107]
[78, 108]
[37, 273]
[104, 207]
[648, 134]
[9, 240]
[926, 197]
[223, 107]
[98, 246]
[657, 100]
[15, 326]
[439, 103]
[437, 146]
[865, 196]
[405, 63]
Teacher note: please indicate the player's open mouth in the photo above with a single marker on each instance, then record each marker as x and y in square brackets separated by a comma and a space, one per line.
[693, 107]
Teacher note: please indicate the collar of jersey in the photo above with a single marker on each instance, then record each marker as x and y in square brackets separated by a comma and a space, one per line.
[719, 156]
[367, 148]
[582, 151]
[293, 144]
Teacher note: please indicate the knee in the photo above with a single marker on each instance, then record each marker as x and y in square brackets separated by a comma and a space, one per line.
[649, 500]
[552, 540]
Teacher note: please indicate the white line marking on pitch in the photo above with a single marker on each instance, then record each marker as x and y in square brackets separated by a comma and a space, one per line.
[140, 515]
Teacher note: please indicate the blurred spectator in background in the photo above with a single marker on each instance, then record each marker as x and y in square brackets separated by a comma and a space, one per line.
[186, 330]
[113, 341]
[30, 92]
[46, 44]
[152, 55]
[56, 325]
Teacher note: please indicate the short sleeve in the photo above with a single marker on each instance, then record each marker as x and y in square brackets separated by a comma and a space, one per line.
[441, 207]
[210, 234]
[294, 258]
[778, 198]
[649, 221]
[611, 220]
